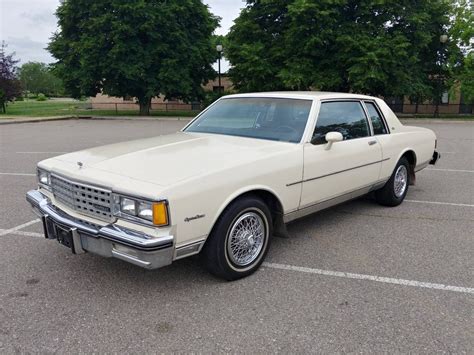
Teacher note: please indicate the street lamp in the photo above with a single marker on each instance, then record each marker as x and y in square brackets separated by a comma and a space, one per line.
[219, 49]
[442, 40]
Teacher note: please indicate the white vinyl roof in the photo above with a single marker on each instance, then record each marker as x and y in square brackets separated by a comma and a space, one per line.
[321, 95]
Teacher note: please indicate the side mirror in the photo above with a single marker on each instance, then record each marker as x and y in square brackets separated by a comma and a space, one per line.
[333, 137]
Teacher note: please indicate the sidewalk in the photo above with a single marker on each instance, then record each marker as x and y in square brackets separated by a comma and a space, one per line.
[21, 119]
[409, 121]
[25, 119]
[17, 119]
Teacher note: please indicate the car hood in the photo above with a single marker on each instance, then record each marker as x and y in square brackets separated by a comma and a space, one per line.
[166, 160]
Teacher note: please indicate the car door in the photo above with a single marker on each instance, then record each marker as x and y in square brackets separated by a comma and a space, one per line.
[346, 167]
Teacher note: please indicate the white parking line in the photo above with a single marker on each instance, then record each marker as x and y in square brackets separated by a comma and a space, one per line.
[41, 152]
[441, 203]
[17, 174]
[26, 234]
[21, 226]
[348, 275]
[388, 280]
[451, 170]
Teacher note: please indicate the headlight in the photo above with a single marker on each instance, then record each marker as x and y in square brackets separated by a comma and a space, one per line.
[128, 206]
[145, 210]
[44, 178]
[155, 213]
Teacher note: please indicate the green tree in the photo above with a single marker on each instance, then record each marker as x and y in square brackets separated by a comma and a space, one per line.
[380, 47]
[256, 47]
[10, 86]
[461, 64]
[39, 78]
[135, 48]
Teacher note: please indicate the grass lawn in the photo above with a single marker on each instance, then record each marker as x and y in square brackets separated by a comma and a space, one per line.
[69, 107]
[31, 108]
[43, 108]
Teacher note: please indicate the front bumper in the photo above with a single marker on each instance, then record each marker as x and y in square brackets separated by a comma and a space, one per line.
[109, 241]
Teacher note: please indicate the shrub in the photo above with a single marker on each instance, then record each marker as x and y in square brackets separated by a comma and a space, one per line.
[41, 97]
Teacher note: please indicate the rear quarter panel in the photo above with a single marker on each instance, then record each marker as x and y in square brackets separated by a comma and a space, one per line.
[419, 140]
[402, 139]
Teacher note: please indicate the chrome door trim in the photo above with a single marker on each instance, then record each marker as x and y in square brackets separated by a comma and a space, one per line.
[337, 172]
[379, 111]
[421, 166]
[367, 117]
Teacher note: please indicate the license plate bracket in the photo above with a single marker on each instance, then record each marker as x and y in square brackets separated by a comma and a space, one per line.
[64, 236]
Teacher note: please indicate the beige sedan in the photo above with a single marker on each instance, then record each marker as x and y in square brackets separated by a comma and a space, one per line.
[230, 180]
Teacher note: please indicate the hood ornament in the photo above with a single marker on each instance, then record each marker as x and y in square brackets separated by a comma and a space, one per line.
[80, 163]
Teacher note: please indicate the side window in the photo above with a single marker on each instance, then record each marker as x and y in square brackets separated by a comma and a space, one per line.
[377, 121]
[346, 117]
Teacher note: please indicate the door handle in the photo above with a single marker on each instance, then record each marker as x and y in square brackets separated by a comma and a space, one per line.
[372, 142]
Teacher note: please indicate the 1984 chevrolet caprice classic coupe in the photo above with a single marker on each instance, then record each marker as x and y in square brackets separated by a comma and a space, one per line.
[230, 180]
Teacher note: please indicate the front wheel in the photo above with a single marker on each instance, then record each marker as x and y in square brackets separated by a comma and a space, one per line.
[396, 188]
[240, 239]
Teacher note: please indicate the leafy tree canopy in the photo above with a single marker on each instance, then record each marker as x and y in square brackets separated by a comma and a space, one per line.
[137, 48]
[379, 47]
[10, 87]
[461, 64]
[38, 78]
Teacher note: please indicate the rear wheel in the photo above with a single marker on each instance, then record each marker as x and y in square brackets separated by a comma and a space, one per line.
[240, 239]
[396, 188]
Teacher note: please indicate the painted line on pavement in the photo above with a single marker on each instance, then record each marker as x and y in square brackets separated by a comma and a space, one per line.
[26, 234]
[389, 280]
[348, 275]
[41, 152]
[17, 174]
[17, 228]
[451, 170]
[440, 203]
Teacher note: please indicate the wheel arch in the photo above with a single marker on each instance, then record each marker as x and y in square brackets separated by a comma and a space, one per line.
[410, 155]
[266, 194]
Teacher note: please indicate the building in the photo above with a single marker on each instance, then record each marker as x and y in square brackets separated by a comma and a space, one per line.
[105, 102]
[449, 104]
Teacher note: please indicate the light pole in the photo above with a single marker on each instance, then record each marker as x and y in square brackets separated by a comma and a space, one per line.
[219, 49]
[442, 40]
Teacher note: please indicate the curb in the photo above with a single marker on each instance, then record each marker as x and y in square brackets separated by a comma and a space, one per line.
[433, 120]
[136, 118]
[34, 120]
[164, 118]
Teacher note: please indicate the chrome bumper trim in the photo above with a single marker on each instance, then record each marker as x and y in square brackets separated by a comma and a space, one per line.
[132, 246]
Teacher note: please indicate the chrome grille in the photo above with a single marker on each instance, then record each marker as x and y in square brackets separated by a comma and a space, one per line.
[84, 199]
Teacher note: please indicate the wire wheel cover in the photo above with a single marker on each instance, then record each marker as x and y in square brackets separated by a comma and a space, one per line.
[401, 181]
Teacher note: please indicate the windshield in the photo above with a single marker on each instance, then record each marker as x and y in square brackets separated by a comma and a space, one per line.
[264, 118]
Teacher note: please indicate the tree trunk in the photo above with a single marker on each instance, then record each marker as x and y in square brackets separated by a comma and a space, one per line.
[145, 106]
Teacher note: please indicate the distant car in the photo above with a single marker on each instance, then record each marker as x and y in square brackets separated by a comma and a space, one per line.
[230, 180]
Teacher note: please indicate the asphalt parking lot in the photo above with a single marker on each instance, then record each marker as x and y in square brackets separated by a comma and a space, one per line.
[355, 278]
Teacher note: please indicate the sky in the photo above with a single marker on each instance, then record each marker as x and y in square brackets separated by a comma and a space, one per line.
[27, 25]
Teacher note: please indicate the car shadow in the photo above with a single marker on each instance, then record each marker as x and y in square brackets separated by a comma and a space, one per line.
[117, 274]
